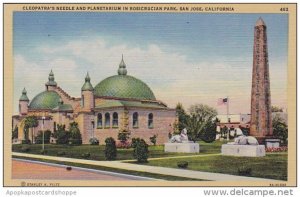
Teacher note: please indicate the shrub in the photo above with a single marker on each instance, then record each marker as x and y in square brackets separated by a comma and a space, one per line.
[61, 153]
[69, 168]
[110, 149]
[61, 135]
[75, 135]
[94, 141]
[141, 151]
[123, 136]
[75, 141]
[86, 155]
[182, 164]
[134, 142]
[244, 171]
[39, 137]
[153, 139]
[25, 142]
[25, 149]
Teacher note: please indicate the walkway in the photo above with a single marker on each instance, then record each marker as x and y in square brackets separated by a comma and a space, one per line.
[151, 169]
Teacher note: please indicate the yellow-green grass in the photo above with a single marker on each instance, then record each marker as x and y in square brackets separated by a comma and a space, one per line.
[272, 166]
[97, 152]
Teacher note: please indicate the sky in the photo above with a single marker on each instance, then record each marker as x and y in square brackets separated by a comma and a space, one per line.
[189, 58]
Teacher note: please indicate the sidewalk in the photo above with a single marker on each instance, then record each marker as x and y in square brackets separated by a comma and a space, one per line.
[151, 169]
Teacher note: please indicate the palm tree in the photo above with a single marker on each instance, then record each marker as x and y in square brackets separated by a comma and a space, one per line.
[30, 123]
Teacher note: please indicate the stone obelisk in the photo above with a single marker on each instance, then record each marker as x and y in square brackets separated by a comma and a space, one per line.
[261, 117]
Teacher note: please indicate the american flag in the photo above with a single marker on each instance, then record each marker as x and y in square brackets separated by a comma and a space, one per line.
[222, 101]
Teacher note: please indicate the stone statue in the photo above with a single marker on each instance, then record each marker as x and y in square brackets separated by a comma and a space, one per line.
[182, 138]
[244, 140]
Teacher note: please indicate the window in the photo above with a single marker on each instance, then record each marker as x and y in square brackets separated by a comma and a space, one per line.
[107, 120]
[135, 120]
[99, 121]
[150, 121]
[82, 101]
[115, 119]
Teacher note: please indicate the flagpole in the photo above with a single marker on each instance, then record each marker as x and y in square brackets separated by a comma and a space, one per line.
[227, 104]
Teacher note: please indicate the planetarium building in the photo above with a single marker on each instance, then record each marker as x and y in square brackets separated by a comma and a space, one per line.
[120, 103]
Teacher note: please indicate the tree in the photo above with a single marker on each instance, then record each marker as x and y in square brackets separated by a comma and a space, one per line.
[209, 133]
[153, 139]
[276, 109]
[140, 152]
[15, 133]
[201, 124]
[110, 149]
[30, 123]
[182, 116]
[75, 135]
[280, 129]
[61, 135]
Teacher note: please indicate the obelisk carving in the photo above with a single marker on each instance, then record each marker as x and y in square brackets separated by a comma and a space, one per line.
[261, 115]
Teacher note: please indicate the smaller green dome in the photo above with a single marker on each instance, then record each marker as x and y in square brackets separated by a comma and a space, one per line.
[24, 96]
[63, 107]
[45, 100]
[87, 86]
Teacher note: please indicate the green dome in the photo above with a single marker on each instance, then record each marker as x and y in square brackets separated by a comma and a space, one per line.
[45, 100]
[124, 86]
[24, 96]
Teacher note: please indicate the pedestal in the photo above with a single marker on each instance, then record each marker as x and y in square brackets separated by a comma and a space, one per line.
[272, 143]
[243, 150]
[182, 147]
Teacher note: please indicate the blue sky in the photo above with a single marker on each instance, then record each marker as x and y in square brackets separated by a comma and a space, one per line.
[188, 58]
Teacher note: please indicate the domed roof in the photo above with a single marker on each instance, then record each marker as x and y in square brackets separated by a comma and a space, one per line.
[45, 100]
[124, 86]
[87, 86]
[24, 96]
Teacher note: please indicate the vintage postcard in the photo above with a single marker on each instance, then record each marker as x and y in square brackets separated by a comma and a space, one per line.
[150, 95]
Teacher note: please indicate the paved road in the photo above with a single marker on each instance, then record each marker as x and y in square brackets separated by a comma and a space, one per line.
[157, 169]
[25, 169]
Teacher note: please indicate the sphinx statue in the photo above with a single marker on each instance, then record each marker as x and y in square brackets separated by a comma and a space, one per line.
[181, 138]
[244, 140]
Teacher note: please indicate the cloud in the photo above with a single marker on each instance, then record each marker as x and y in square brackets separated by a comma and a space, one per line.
[172, 76]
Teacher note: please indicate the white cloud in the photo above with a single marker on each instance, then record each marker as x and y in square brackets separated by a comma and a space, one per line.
[172, 76]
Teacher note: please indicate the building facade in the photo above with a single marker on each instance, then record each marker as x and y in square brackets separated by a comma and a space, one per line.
[120, 103]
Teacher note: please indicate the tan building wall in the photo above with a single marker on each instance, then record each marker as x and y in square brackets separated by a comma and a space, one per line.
[85, 125]
[163, 121]
[23, 107]
[101, 133]
[67, 99]
[88, 100]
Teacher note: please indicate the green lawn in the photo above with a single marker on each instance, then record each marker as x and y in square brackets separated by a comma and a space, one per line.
[97, 152]
[273, 166]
